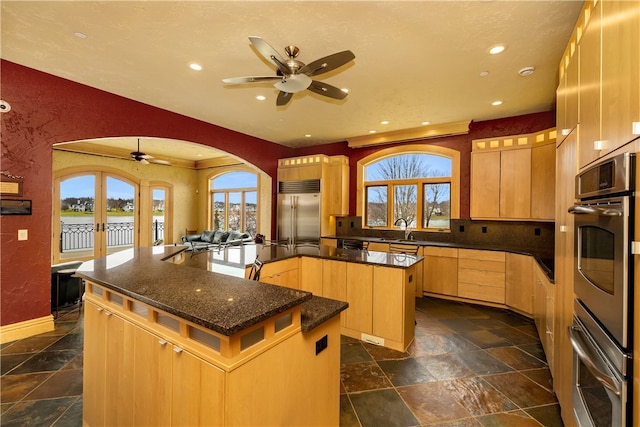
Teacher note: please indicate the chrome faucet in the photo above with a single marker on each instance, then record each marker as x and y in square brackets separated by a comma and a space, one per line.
[407, 232]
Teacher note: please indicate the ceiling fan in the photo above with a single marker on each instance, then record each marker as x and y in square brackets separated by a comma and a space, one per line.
[293, 76]
[145, 159]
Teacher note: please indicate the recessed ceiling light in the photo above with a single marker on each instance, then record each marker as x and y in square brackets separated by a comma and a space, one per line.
[426, 123]
[484, 73]
[80, 35]
[261, 97]
[345, 90]
[499, 48]
[195, 66]
[198, 155]
[307, 136]
[384, 122]
[496, 103]
[372, 131]
[526, 71]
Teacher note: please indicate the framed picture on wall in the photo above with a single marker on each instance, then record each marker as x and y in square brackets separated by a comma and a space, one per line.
[15, 207]
[10, 185]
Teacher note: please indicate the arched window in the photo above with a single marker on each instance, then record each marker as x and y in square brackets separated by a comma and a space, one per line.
[417, 184]
[234, 201]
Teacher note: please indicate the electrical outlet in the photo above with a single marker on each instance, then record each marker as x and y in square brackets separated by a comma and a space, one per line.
[23, 234]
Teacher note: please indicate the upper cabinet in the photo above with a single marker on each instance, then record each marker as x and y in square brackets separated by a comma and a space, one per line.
[599, 79]
[333, 173]
[512, 177]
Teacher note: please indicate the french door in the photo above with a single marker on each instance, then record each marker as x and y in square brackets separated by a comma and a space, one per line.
[95, 214]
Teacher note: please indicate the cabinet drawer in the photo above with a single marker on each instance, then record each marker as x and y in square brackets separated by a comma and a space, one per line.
[476, 264]
[490, 278]
[482, 255]
[481, 292]
[442, 252]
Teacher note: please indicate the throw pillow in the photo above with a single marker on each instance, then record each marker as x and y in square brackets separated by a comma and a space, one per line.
[207, 236]
[234, 235]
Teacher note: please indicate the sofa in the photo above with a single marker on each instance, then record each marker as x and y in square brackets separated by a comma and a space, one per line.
[215, 239]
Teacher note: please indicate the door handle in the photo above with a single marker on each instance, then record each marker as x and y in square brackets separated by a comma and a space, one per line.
[579, 210]
[592, 361]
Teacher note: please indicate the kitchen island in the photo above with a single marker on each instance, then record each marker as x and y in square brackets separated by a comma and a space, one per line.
[380, 287]
[167, 344]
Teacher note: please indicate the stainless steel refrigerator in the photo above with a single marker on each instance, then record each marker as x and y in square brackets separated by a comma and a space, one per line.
[299, 212]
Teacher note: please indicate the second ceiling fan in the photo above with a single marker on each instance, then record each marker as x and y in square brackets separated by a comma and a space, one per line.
[293, 76]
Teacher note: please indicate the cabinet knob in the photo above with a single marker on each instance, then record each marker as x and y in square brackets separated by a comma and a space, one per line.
[99, 309]
[162, 342]
[108, 313]
[177, 349]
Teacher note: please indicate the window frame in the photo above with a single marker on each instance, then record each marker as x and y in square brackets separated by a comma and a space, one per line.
[453, 181]
[226, 192]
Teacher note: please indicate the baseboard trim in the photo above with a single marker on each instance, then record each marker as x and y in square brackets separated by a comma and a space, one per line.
[28, 328]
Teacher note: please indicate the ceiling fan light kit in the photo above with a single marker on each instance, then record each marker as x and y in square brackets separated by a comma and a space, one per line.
[293, 76]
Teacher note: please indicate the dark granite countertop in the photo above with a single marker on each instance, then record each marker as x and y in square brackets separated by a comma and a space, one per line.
[277, 253]
[219, 302]
[318, 310]
[545, 260]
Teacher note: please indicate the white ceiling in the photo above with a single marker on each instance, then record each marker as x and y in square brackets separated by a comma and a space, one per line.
[415, 60]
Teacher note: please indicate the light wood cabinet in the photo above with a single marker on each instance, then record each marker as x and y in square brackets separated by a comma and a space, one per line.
[394, 305]
[440, 271]
[519, 282]
[620, 64]
[311, 275]
[512, 177]
[515, 183]
[281, 273]
[589, 100]
[378, 247]
[485, 184]
[334, 283]
[481, 275]
[543, 183]
[544, 314]
[567, 168]
[359, 295]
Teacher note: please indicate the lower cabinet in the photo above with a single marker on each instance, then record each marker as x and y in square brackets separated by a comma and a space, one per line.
[544, 306]
[440, 271]
[394, 305]
[334, 283]
[125, 364]
[311, 275]
[519, 283]
[281, 273]
[359, 295]
[481, 275]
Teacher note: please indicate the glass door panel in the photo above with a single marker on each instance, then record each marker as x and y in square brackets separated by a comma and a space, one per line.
[77, 217]
[158, 212]
[120, 215]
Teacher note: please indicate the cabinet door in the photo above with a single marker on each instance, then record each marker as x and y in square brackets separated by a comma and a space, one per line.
[620, 71]
[93, 375]
[334, 283]
[589, 99]
[378, 247]
[311, 275]
[152, 379]
[543, 179]
[515, 183]
[519, 282]
[440, 275]
[360, 297]
[197, 396]
[485, 184]
[388, 303]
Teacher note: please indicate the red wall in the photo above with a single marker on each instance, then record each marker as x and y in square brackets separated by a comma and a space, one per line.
[48, 109]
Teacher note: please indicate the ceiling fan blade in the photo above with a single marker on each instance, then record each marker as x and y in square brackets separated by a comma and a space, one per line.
[270, 54]
[325, 89]
[327, 63]
[251, 79]
[283, 98]
[143, 161]
[160, 162]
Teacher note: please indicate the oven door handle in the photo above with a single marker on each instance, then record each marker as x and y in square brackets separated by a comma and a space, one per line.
[592, 360]
[579, 209]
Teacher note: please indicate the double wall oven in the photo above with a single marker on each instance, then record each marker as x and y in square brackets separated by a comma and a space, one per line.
[601, 334]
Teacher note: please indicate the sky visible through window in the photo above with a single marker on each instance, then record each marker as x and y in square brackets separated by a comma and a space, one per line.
[436, 163]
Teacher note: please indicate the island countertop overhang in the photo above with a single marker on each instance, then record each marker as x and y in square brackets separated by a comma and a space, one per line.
[222, 303]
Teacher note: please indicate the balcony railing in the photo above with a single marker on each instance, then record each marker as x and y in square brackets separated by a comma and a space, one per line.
[74, 236]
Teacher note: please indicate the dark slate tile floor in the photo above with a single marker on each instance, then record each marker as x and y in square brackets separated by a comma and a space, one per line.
[469, 366]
